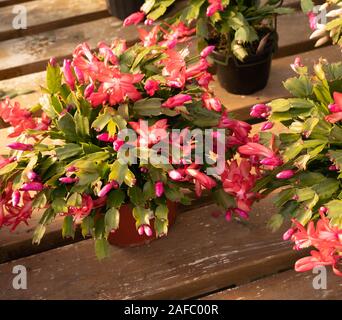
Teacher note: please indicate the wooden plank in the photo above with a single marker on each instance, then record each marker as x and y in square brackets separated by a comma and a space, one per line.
[294, 33]
[5, 3]
[289, 285]
[18, 243]
[29, 54]
[44, 15]
[201, 254]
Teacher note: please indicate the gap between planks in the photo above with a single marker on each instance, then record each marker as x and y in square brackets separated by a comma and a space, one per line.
[284, 286]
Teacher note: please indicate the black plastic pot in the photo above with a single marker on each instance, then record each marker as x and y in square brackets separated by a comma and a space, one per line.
[123, 8]
[244, 77]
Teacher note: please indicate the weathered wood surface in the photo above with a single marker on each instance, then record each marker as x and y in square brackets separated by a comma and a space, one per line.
[240, 105]
[44, 15]
[289, 285]
[18, 243]
[5, 3]
[214, 255]
[30, 53]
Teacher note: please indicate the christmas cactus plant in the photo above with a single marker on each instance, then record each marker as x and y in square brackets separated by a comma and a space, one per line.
[240, 28]
[325, 20]
[107, 121]
[310, 176]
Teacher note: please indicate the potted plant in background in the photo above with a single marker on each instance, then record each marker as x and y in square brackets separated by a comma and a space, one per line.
[74, 162]
[311, 176]
[123, 8]
[326, 21]
[243, 33]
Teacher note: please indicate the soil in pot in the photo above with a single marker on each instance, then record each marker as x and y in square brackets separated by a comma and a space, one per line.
[123, 8]
[248, 76]
[127, 235]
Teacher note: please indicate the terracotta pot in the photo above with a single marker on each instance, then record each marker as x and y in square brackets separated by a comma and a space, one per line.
[127, 234]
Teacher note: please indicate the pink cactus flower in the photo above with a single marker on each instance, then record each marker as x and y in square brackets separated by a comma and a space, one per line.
[296, 64]
[177, 100]
[105, 137]
[117, 144]
[151, 86]
[335, 108]
[204, 79]
[68, 74]
[260, 111]
[134, 18]
[215, 5]
[312, 20]
[207, 51]
[5, 161]
[20, 146]
[197, 68]
[211, 103]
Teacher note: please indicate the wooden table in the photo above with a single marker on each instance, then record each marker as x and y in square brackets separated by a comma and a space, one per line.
[202, 257]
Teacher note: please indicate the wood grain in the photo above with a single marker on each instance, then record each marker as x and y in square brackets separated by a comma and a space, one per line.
[5, 3]
[214, 255]
[30, 53]
[44, 15]
[289, 285]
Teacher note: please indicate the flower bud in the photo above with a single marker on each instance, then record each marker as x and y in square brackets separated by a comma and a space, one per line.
[68, 180]
[286, 174]
[207, 51]
[15, 198]
[288, 234]
[228, 215]
[32, 186]
[31, 175]
[267, 126]
[148, 230]
[88, 90]
[20, 146]
[243, 214]
[53, 62]
[159, 189]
